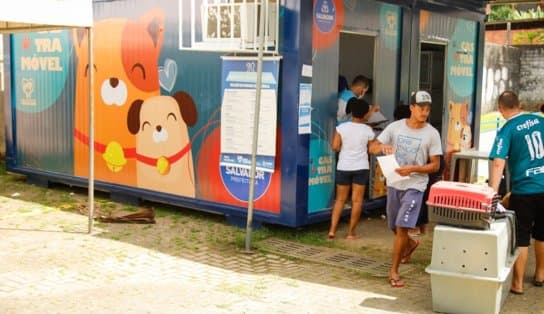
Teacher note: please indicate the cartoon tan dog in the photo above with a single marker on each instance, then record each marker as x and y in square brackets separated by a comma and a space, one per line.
[126, 54]
[163, 146]
[458, 116]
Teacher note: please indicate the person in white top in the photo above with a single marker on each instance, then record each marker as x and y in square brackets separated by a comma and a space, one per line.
[351, 139]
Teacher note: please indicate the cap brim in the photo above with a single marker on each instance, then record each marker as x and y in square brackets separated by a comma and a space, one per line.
[423, 103]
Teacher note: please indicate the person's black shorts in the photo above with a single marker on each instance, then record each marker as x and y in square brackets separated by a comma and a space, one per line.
[352, 177]
[530, 217]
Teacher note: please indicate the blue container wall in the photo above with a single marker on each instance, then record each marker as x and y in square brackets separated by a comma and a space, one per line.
[50, 137]
[43, 100]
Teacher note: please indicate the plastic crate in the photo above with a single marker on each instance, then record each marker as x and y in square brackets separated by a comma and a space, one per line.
[461, 293]
[482, 253]
[462, 204]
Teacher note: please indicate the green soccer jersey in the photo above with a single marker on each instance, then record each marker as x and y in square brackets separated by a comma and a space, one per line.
[520, 141]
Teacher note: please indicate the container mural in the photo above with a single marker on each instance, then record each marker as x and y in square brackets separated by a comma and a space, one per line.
[461, 40]
[173, 88]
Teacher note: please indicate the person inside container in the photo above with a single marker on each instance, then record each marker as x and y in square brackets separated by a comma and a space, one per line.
[357, 89]
[351, 140]
[520, 141]
[417, 148]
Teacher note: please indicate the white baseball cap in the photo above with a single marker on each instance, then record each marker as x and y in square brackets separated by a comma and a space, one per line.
[421, 98]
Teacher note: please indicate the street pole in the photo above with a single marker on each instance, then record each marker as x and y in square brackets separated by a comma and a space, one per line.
[91, 130]
[256, 116]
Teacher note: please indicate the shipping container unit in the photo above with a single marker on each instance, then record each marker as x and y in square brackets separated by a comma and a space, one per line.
[174, 96]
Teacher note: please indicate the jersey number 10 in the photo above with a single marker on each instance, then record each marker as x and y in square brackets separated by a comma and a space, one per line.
[535, 145]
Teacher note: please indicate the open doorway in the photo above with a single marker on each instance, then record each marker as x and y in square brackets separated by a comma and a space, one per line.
[356, 57]
[432, 79]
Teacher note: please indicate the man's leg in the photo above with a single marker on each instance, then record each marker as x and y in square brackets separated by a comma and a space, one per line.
[399, 247]
[539, 256]
[519, 269]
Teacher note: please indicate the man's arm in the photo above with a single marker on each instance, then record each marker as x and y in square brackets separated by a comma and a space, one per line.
[376, 147]
[496, 173]
[431, 167]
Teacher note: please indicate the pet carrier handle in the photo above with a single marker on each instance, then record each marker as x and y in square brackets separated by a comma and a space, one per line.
[509, 215]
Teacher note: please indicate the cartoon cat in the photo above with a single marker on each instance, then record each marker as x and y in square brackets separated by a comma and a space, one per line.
[126, 54]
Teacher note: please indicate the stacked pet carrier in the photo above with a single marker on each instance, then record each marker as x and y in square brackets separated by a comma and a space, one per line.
[473, 248]
[462, 205]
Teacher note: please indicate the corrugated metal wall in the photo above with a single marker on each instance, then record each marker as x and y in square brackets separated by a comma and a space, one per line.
[45, 85]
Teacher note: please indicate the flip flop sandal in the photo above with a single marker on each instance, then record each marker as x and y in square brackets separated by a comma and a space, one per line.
[396, 283]
[537, 283]
[330, 237]
[406, 258]
[351, 237]
[516, 292]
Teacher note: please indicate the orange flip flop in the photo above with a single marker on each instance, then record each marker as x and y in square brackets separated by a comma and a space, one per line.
[396, 283]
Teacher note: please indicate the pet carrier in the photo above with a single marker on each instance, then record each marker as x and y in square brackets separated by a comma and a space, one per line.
[462, 204]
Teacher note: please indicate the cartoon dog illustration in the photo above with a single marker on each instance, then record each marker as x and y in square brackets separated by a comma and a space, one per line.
[126, 54]
[466, 138]
[163, 146]
[459, 135]
[458, 119]
[380, 187]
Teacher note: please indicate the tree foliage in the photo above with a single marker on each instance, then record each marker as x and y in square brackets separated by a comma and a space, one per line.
[506, 12]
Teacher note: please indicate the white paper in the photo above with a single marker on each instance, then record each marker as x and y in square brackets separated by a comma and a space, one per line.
[388, 164]
[376, 117]
[306, 70]
[237, 115]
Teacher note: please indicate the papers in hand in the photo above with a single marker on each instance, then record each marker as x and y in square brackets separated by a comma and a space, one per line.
[376, 117]
[388, 164]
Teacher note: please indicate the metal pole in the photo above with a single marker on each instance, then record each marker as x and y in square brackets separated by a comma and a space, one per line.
[262, 16]
[91, 129]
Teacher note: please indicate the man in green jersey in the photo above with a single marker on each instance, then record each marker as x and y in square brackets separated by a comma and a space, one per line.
[520, 142]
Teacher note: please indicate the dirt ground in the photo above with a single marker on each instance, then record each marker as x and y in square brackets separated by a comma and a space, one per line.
[47, 216]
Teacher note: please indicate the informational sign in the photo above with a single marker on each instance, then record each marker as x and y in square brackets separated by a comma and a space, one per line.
[305, 109]
[239, 78]
[239, 81]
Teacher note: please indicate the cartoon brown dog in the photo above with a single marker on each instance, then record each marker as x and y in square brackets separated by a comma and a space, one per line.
[163, 146]
[126, 56]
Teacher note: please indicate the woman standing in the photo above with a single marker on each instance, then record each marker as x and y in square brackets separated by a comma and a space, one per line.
[351, 140]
